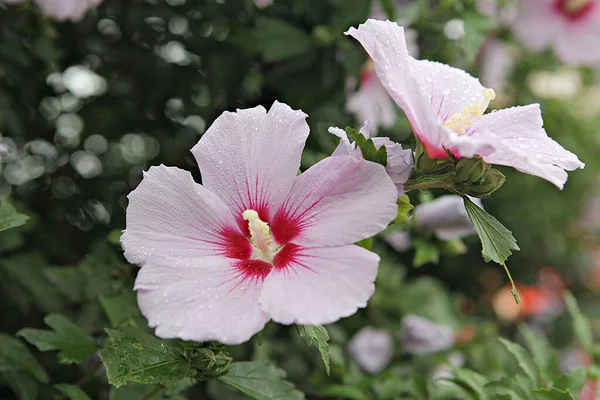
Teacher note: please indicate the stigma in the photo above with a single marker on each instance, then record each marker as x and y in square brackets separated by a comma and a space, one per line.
[261, 236]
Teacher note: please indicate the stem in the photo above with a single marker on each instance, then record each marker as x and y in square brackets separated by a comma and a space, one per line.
[514, 288]
[430, 182]
[152, 391]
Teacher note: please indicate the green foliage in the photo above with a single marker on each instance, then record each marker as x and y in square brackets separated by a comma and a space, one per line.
[367, 147]
[19, 369]
[404, 208]
[425, 253]
[131, 355]
[261, 380]
[9, 218]
[581, 325]
[317, 335]
[477, 27]
[72, 392]
[73, 344]
[278, 40]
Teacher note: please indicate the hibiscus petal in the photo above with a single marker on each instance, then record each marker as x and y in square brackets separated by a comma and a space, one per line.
[320, 285]
[170, 215]
[250, 158]
[200, 299]
[537, 24]
[523, 143]
[339, 200]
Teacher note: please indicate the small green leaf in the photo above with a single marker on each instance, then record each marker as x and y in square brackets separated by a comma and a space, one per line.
[72, 392]
[121, 308]
[74, 345]
[134, 356]
[477, 27]
[278, 40]
[404, 207]
[425, 253]
[496, 241]
[367, 147]
[344, 392]
[261, 380]
[470, 380]
[366, 243]
[581, 325]
[15, 357]
[573, 381]
[318, 335]
[22, 384]
[553, 394]
[524, 360]
[9, 218]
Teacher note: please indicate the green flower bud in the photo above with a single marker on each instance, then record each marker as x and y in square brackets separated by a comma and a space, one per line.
[211, 362]
[471, 170]
[491, 182]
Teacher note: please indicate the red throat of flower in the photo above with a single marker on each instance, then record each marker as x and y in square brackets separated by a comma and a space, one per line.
[574, 10]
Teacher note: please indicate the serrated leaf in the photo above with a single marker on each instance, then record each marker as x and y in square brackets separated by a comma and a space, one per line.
[496, 241]
[15, 358]
[553, 394]
[72, 392]
[278, 40]
[135, 356]
[581, 325]
[472, 381]
[367, 147]
[539, 347]
[9, 217]
[477, 27]
[425, 253]
[524, 360]
[317, 335]
[344, 392]
[572, 381]
[261, 380]
[404, 207]
[73, 344]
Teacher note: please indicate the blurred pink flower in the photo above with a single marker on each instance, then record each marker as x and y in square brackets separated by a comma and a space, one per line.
[371, 349]
[399, 161]
[497, 62]
[255, 241]
[446, 216]
[62, 10]
[420, 335]
[445, 107]
[570, 27]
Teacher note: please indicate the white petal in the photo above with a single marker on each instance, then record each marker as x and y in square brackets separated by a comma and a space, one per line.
[371, 349]
[200, 299]
[422, 336]
[537, 24]
[320, 286]
[250, 158]
[170, 215]
[523, 143]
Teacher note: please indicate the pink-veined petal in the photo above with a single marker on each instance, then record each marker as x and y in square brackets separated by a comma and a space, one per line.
[340, 200]
[320, 285]
[250, 158]
[537, 25]
[578, 45]
[524, 144]
[170, 215]
[200, 299]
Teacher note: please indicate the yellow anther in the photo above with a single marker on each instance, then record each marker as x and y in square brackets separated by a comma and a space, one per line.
[459, 122]
[260, 231]
[574, 6]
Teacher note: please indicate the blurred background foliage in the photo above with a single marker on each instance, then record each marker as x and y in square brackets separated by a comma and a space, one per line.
[85, 107]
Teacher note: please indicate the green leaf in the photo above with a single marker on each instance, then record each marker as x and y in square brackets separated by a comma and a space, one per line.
[523, 360]
[477, 27]
[72, 392]
[404, 207]
[581, 325]
[348, 13]
[425, 253]
[121, 308]
[261, 380]
[538, 346]
[278, 40]
[344, 392]
[553, 394]
[137, 391]
[73, 344]
[366, 243]
[9, 218]
[68, 280]
[15, 357]
[134, 356]
[317, 335]
[496, 241]
[573, 381]
[470, 380]
[22, 384]
[367, 147]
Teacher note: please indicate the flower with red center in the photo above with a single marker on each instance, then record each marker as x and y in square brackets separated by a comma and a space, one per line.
[570, 27]
[445, 107]
[255, 241]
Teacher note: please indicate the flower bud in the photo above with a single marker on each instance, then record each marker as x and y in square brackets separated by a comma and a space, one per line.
[491, 182]
[471, 170]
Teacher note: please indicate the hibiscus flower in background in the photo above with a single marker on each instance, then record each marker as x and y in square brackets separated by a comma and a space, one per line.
[569, 27]
[255, 241]
[63, 10]
[445, 107]
[371, 349]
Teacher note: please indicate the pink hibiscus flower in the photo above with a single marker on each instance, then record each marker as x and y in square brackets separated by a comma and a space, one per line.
[62, 10]
[570, 27]
[445, 107]
[255, 241]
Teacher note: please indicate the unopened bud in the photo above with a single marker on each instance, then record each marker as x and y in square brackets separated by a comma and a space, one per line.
[471, 170]
[492, 181]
